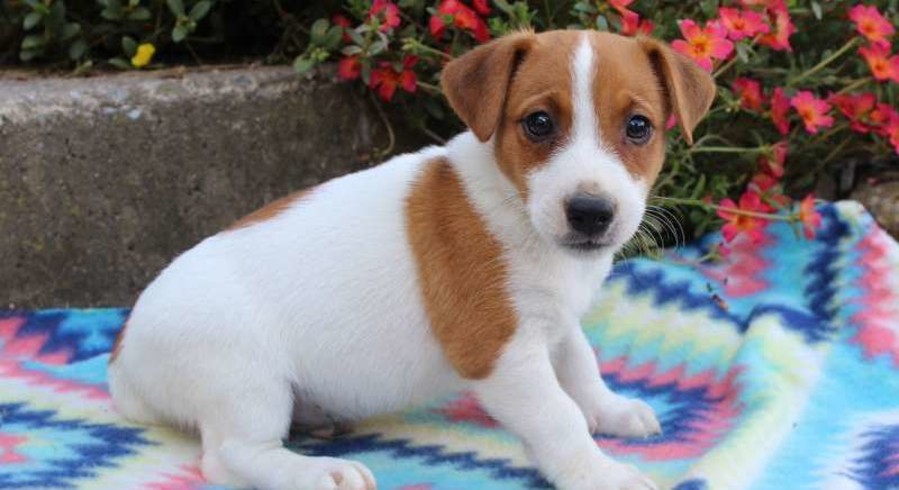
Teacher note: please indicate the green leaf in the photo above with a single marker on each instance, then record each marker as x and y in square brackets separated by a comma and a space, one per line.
[351, 50]
[816, 9]
[176, 7]
[332, 38]
[742, 52]
[120, 63]
[199, 10]
[140, 14]
[129, 46]
[179, 33]
[28, 54]
[318, 31]
[70, 30]
[33, 41]
[303, 64]
[355, 36]
[602, 23]
[111, 13]
[57, 16]
[31, 20]
[77, 49]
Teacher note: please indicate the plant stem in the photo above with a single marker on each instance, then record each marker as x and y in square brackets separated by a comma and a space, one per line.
[826, 61]
[741, 212]
[416, 44]
[854, 85]
[429, 86]
[724, 149]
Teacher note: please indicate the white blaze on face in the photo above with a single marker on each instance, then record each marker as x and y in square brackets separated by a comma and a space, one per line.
[585, 164]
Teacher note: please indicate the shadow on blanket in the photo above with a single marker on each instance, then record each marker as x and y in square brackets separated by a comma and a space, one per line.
[778, 369]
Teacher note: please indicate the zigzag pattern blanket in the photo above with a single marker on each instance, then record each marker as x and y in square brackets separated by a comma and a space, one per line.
[778, 369]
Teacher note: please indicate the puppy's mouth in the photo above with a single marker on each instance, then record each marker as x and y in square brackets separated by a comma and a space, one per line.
[585, 245]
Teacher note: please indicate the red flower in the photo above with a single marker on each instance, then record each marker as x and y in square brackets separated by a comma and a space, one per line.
[344, 23]
[386, 78]
[812, 110]
[349, 68]
[741, 24]
[632, 24]
[779, 40]
[736, 223]
[620, 5]
[891, 131]
[809, 216]
[883, 66]
[703, 45]
[750, 93]
[773, 161]
[871, 24]
[763, 182]
[387, 13]
[481, 6]
[462, 17]
[856, 108]
[780, 111]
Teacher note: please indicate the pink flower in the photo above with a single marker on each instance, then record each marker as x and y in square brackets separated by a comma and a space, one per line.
[387, 12]
[779, 40]
[773, 162]
[481, 6]
[750, 93]
[856, 108]
[872, 24]
[742, 24]
[809, 216]
[780, 111]
[632, 24]
[463, 17]
[349, 68]
[386, 78]
[883, 66]
[737, 223]
[703, 45]
[812, 110]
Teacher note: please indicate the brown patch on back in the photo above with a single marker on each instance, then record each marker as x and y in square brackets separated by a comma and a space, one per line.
[117, 345]
[270, 210]
[460, 270]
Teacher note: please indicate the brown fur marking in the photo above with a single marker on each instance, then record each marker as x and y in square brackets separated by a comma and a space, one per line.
[270, 210]
[461, 272]
[117, 345]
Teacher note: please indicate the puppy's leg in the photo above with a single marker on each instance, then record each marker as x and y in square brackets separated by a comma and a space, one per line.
[242, 446]
[606, 412]
[525, 396]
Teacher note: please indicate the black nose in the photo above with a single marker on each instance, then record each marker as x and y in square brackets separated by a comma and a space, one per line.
[589, 215]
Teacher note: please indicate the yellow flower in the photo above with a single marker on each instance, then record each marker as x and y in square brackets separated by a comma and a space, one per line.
[143, 55]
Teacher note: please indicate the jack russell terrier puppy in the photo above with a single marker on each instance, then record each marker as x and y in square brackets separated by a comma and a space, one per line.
[463, 267]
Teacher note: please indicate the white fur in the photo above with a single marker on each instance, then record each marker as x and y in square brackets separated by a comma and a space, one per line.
[321, 305]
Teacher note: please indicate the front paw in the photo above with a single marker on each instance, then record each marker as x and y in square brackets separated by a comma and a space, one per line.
[603, 473]
[620, 416]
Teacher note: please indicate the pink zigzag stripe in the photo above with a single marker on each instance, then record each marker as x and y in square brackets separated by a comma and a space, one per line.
[877, 317]
[15, 370]
[189, 478]
[741, 273]
[706, 431]
[27, 347]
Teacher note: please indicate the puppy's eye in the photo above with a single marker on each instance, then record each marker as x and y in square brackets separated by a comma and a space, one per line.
[538, 126]
[638, 129]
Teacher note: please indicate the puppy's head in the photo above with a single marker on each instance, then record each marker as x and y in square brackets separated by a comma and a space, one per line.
[577, 120]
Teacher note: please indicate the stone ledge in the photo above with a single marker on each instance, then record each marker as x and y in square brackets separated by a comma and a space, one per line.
[106, 179]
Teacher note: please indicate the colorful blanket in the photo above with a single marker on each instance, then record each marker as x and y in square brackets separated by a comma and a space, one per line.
[778, 369]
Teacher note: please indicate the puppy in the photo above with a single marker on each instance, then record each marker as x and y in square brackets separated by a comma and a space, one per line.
[466, 266]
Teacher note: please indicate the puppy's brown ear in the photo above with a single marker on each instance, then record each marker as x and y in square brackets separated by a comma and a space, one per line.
[476, 83]
[690, 89]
